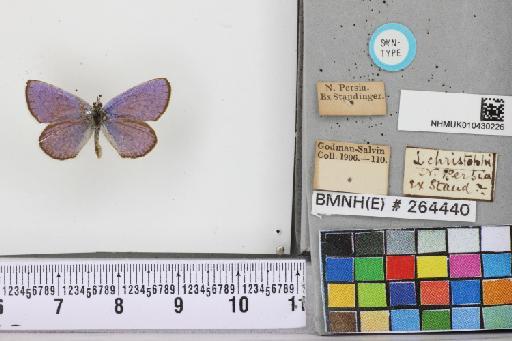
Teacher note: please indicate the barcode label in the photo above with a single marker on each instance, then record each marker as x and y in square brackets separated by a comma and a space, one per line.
[454, 113]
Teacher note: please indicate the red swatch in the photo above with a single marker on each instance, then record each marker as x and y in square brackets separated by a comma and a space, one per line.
[434, 293]
[400, 267]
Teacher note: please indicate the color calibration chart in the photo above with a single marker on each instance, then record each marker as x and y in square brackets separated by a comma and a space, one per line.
[417, 280]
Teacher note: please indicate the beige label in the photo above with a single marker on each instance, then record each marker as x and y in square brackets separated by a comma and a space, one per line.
[350, 167]
[351, 98]
[449, 174]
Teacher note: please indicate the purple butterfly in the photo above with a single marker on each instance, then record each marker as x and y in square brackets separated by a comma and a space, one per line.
[72, 121]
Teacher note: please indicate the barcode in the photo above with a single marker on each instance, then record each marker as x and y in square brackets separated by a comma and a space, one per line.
[492, 109]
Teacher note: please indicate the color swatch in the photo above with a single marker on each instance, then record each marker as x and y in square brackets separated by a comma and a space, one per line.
[417, 280]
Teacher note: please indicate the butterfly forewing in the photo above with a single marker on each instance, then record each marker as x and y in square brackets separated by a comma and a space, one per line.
[144, 102]
[50, 104]
[64, 140]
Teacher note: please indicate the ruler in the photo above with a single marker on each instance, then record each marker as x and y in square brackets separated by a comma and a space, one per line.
[97, 294]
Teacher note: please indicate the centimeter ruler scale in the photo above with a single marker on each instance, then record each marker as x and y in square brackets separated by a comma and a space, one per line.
[96, 294]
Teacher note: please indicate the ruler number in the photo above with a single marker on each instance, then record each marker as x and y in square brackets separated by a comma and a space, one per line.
[1, 306]
[118, 308]
[243, 304]
[178, 305]
[59, 305]
[293, 303]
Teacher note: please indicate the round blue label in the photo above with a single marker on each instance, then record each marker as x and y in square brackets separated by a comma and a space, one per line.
[392, 47]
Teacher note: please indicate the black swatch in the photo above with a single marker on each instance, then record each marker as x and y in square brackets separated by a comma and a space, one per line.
[337, 244]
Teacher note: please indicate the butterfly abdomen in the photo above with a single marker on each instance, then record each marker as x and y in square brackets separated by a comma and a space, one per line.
[97, 146]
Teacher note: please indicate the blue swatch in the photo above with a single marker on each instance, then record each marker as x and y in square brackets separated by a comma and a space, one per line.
[402, 293]
[405, 320]
[339, 269]
[466, 318]
[465, 292]
[496, 265]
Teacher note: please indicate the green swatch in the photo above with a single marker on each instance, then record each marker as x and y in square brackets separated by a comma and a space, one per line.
[435, 320]
[371, 295]
[497, 317]
[369, 269]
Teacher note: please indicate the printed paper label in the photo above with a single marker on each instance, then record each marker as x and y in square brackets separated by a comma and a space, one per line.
[392, 47]
[449, 174]
[350, 167]
[335, 203]
[454, 113]
[351, 98]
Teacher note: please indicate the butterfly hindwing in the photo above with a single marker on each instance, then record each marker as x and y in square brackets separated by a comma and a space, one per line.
[131, 138]
[144, 102]
[64, 140]
[50, 104]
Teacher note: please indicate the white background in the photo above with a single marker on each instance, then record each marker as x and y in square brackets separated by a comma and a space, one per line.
[220, 178]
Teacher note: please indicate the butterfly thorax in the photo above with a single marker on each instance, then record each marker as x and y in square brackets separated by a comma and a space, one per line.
[98, 114]
[98, 117]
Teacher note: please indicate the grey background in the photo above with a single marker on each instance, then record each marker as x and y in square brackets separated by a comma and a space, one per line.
[462, 46]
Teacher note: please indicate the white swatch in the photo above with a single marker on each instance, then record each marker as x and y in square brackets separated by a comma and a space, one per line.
[462, 239]
[495, 238]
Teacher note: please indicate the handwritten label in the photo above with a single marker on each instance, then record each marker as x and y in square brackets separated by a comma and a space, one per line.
[350, 167]
[392, 47]
[449, 174]
[351, 98]
[335, 203]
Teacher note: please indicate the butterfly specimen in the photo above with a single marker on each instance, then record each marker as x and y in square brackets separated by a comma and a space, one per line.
[72, 121]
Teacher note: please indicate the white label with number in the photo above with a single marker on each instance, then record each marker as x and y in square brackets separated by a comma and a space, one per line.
[151, 294]
[336, 203]
[457, 113]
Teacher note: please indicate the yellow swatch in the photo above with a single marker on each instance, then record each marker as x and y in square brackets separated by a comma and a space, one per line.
[374, 321]
[341, 295]
[432, 266]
